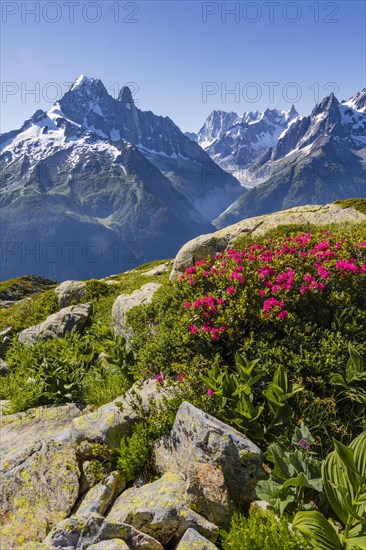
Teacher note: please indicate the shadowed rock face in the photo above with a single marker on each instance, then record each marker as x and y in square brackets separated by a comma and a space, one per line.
[197, 437]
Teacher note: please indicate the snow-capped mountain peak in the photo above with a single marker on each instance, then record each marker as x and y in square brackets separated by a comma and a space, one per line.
[357, 102]
[235, 142]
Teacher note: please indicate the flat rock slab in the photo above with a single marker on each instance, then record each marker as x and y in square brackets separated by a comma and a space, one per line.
[197, 437]
[58, 324]
[205, 245]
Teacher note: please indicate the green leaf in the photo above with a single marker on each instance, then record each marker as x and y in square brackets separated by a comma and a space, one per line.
[318, 530]
[332, 478]
[302, 432]
[355, 360]
[299, 481]
[357, 536]
[280, 378]
[275, 494]
[358, 446]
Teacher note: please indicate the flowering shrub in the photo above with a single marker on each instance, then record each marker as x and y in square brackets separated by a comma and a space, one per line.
[250, 288]
[293, 298]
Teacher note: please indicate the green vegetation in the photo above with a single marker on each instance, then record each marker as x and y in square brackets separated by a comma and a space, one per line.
[344, 481]
[357, 204]
[268, 336]
[20, 287]
[262, 530]
[68, 369]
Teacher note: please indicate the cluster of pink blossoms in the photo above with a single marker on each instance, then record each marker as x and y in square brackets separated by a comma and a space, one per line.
[223, 276]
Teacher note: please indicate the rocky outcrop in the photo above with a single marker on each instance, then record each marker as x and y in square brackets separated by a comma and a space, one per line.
[112, 421]
[208, 470]
[80, 533]
[198, 438]
[206, 245]
[57, 325]
[125, 302]
[70, 291]
[160, 509]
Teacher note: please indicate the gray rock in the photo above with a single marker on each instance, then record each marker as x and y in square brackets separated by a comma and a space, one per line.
[39, 475]
[125, 302]
[199, 437]
[39, 492]
[99, 497]
[82, 532]
[161, 510]
[201, 247]
[5, 340]
[158, 270]
[5, 304]
[109, 423]
[70, 291]
[112, 544]
[58, 324]
[194, 541]
[4, 368]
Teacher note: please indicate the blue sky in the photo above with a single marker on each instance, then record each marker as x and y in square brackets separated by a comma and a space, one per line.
[183, 58]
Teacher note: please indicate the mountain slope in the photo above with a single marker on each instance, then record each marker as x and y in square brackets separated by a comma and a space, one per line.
[124, 184]
[320, 158]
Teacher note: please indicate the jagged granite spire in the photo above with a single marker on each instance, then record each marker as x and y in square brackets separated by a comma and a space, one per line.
[125, 97]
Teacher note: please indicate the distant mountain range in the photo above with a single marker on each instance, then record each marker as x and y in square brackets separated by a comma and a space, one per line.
[316, 159]
[95, 185]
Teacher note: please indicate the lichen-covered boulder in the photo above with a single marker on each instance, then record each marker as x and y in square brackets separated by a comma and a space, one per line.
[39, 492]
[58, 324]
[99, 497]
[113, 544]
[194, 541]
[112, 421]
[125, 302]
[161, 510]
[39, 473]
[70, 291]
[205, 245]
[199, 437]
[82, 532]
